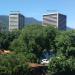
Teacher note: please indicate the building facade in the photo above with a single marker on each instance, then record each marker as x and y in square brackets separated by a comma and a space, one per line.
[56, 19]
[16, 21]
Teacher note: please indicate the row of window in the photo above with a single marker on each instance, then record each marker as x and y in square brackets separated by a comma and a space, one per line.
[49, 20]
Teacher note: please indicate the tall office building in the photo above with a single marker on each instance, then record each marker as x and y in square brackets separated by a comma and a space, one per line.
[56, 19]
[16, 21]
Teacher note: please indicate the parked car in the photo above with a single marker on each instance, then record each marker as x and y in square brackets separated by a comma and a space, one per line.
[44, 61]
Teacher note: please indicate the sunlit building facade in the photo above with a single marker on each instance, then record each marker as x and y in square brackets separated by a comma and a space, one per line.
[16, 21]
[56, 19]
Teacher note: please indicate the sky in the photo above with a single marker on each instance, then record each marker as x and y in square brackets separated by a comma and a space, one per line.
[37, 8]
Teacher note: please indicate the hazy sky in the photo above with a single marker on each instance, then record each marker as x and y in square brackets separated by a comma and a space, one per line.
[36, 8]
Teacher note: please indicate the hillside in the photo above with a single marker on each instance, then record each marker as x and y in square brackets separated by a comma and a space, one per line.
[4, 19]
[28, 20]
[31, 20]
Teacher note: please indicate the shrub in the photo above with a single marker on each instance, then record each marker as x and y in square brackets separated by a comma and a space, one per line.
[62, 66]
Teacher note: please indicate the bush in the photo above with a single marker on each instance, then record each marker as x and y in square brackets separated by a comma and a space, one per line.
[13, 65]
[62, 66]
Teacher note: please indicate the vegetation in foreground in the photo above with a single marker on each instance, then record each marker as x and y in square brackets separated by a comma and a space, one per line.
[28, 45]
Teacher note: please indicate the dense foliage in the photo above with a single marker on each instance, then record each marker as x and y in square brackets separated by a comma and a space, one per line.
[30, 43]
[7, 37]
[13, 65]
[62, 66]
[64, 62]
[65, 42]
[35, 39]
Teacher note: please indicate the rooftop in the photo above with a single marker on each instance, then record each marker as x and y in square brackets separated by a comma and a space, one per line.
[53, 13]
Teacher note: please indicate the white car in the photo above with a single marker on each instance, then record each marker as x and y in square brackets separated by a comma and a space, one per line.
[44, 61]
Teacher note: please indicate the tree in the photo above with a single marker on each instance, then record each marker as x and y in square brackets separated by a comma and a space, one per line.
[13, 64]
[62, 66]
[7, 37]
[35, 39]
[65, 42]
[71, 52]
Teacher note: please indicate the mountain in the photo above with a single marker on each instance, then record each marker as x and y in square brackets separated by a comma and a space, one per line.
[4, 20]
[68, 28]
[31, 20]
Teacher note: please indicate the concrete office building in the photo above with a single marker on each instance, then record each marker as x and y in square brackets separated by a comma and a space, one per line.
[16, 21]
[56, 19]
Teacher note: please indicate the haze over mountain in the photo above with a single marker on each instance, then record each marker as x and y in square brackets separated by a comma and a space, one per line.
[4, 19]
[31, 20]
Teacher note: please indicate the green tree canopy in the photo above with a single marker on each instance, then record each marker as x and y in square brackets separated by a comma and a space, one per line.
[12, 64]
[65, 42]
[35, 39]
[62, 66]
[7, 37]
